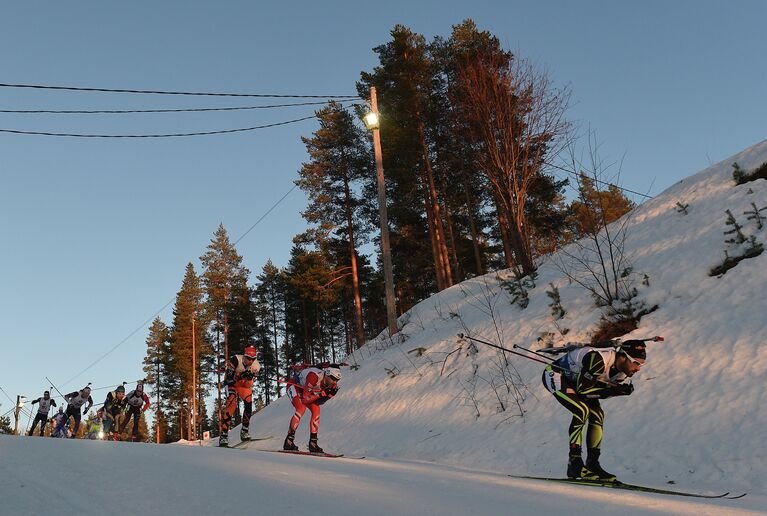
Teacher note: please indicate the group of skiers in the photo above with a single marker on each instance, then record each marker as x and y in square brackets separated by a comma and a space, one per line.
[107, 417]
[578, 380]
[308, 388]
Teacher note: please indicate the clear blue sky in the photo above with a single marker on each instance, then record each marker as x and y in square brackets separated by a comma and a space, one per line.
[96, 233]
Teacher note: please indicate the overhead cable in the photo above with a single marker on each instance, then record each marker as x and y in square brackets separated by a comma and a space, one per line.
[187, 110]
[170, 135]
[158, 312]
[158, 92]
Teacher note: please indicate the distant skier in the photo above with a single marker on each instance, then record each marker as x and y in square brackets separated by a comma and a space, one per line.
[59, 424]
[310, 388]
[113, 407]
[133, 408]
[578, 380]
[46, 402]
[95, 426]
[75, 400]
[240, 373]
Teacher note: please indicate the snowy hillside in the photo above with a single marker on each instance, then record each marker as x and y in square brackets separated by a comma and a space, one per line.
[697, 417]
[438, 427]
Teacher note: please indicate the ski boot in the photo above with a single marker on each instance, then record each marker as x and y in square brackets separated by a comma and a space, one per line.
[574, 467]
[223, 440]
[593, 471]
[289, 445]
[313, 446]
[244, 434]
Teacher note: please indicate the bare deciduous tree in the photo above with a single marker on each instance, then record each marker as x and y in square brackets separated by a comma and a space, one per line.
[516, 117]
[598, 261]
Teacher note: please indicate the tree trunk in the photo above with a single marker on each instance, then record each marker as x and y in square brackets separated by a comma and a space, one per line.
[439, 231]
[472, 226]
[450, 233]
[355, 277]
[276, 349]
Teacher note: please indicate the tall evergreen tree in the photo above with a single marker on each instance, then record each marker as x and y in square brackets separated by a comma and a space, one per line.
[403, 81]
[225, 281]
[188, 333]
[340, 158]
[156, 366]
[270, 295]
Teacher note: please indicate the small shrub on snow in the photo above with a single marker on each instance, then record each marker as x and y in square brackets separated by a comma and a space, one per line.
[557, 311]
[739, 237]
[756, 215]
[518, 287]
[740, 176]
[682, 208]
[751, 249]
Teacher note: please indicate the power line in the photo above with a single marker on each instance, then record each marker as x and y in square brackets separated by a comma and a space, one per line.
[157, 92]
[102, 357]
[570, 172]
[187, 110]
[265, 214]
[170, 135]
[143, 325]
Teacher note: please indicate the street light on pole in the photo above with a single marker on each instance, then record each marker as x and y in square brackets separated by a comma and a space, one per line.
[373, 123]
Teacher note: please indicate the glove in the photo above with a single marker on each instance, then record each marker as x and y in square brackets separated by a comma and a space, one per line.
[330, 392]
[624, 389]
[248, 375]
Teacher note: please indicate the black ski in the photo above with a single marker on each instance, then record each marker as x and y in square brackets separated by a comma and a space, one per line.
[243, 444]
[629, 487]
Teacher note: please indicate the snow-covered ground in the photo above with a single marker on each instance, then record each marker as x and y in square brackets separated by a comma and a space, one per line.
[698, 416]
[56, 476]
[432, 413]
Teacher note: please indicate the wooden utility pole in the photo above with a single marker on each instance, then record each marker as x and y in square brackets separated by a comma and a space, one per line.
[391, 312]
[157, 418]
[194, 384]
[16, 411]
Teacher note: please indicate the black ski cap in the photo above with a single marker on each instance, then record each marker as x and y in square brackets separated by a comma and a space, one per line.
[636, 349]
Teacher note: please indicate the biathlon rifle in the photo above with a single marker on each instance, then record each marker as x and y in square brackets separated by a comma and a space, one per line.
[600, 344]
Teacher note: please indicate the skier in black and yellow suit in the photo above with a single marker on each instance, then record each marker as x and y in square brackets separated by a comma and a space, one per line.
[578, 380]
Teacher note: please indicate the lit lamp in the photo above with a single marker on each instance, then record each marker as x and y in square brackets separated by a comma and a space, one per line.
[371, 121]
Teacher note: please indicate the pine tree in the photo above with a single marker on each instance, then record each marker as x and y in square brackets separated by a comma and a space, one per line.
[156, 365]
[270, 295]
[225, 281]
[340, 159]
[188, 313]
[404, 82]
[596, 207]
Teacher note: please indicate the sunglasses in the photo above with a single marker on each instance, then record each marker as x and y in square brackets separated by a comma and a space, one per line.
[634, 360]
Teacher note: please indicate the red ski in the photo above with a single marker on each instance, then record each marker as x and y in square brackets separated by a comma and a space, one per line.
[301, 452]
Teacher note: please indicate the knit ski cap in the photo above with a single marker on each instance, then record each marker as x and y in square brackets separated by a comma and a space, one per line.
[47, 392]
[636, 349]
[120, 388]
[250, 352]
[140, 385]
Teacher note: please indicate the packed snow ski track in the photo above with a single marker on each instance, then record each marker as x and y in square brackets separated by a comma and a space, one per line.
[85, 477]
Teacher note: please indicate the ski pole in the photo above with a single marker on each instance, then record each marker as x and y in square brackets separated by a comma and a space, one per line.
[461, 335]
[57, 389]
[516, 346]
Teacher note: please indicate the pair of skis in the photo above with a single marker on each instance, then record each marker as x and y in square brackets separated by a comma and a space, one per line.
[629, 487]
[244, 444]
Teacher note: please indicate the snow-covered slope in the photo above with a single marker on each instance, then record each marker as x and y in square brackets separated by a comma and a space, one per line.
[698, 416]
[94, 478]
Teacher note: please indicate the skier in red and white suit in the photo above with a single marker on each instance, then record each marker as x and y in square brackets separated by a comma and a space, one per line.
[310, 388]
